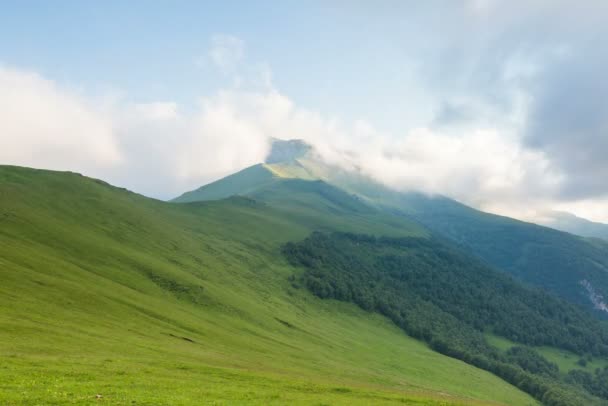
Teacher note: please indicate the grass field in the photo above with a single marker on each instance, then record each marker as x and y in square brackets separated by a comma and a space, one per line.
[565, 360]
[105, 292]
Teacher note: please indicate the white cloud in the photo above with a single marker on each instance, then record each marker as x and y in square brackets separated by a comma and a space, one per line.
[44, 125]
[227, 133]
[592, 209]
[156, 149]
[477, 166]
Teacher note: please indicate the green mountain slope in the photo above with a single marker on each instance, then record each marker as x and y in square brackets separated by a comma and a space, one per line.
[105, 292]
[572, 267]
[313, 202]
[241, 183]
[451, 301]
[553, 260]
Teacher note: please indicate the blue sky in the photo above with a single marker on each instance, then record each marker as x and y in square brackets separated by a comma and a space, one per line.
[338, 57]
[498, 104]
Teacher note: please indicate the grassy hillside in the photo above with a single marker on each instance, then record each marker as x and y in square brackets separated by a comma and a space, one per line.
[315, 203]
[105, 292]
[240, 183]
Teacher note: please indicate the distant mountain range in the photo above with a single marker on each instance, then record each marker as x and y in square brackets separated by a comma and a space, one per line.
[576, 225]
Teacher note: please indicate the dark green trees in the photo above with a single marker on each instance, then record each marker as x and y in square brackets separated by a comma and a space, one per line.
[448, 299]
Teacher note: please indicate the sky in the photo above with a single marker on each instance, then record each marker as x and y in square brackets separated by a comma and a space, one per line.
[499, 104]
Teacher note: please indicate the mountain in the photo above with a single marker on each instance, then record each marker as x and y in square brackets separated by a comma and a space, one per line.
[106, 292]
[576, 225]
[570, 266]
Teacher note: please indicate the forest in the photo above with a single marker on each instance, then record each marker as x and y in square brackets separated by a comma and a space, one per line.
[449, 300]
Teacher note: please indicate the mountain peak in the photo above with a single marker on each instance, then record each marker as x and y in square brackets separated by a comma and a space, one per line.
[283, 151]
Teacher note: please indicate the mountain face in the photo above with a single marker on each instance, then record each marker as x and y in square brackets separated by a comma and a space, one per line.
[576, 225]
[572, 267]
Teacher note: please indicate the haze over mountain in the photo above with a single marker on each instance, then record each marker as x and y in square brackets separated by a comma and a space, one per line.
[575, 225]
[574, 268]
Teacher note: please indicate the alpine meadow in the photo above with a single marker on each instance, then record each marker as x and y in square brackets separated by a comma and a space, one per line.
[304, 203]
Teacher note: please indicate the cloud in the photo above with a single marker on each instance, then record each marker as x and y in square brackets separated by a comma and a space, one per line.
[549, 53]
[569, 121]
[479, 167]
[229, 132]
[45, 125]
[595, 209]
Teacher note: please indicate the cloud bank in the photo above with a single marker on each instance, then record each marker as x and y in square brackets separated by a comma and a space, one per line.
[158, 150]
[45, 125]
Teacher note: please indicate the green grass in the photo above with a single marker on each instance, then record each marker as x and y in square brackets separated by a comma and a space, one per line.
[565, 360]
[143, 302]
[501, 343]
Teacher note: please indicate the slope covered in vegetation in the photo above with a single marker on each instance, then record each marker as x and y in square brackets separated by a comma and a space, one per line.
[553, 260]
[449, 300]
[105, 292]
